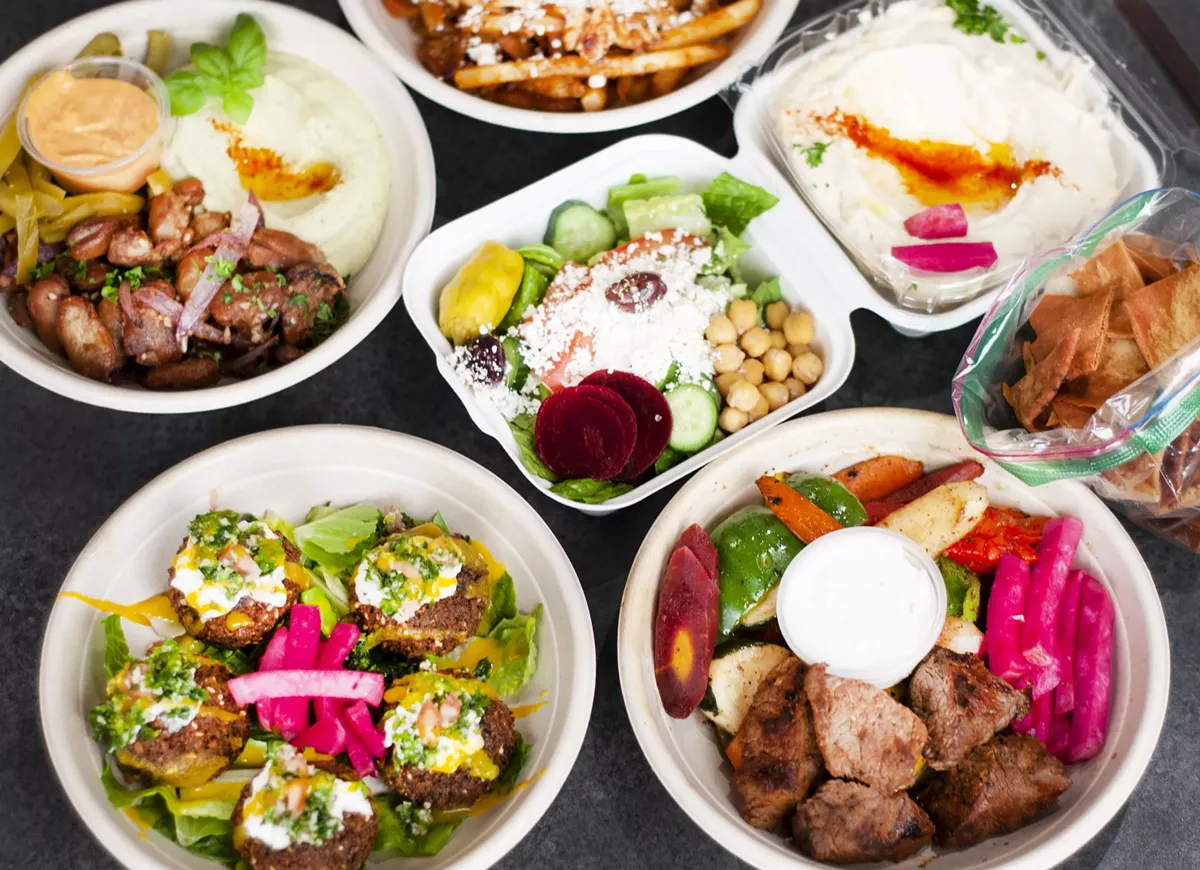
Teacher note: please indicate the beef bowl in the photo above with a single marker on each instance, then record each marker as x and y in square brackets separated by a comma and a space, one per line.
[861, 643]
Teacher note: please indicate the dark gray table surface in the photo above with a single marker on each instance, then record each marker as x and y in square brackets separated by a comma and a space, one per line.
[67, 467]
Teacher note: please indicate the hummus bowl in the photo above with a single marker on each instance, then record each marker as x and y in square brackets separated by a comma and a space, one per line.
[310, 57]
[685, 754]
[286, 470]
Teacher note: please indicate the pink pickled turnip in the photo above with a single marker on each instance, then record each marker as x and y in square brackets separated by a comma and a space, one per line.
[1068, 627]
[272, 659]
[327, 736]
[1004, 614]
[360, 758]
[337, 647]
[1060, 733]
[357, 719]
[946, 256]
[940, 222]
[348, 685]
[1047, 582]
[328, 708]
[1093, 671]
[290, 716]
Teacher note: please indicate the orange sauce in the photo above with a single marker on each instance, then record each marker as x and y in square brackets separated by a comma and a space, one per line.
[139, 613]
[264, 172]
[491, 801]
[527, 709]
[937, 173]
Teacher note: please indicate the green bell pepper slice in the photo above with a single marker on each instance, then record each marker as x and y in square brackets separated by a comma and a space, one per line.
[831, 497]
[962, 589]
[753, 549]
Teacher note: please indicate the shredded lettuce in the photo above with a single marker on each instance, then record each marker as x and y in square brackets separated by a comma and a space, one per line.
[766, 293]
[732, 203]
[727, 250]
[503, 604]
[336, 539]
[116, 650]
[280, 526]
[407, 828]
[440, 521]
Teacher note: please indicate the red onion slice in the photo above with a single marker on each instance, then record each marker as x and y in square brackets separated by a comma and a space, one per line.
[160, 302]
[125, 298]
[220, 237]
[196, 309]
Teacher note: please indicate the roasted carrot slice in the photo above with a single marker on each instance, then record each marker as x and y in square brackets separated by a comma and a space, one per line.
[805, 520]
[735, 750]
[879, 476]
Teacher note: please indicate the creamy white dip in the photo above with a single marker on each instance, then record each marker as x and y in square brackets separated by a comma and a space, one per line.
[306, 116]
[910, 72]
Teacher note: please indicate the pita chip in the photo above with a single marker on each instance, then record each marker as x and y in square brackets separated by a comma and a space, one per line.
[1165, 316]
[1152, 256]
[1139, 479]
[1089, 315]
[1121, 364]
[1069, 413]
[1031, 396]
[1112, 269]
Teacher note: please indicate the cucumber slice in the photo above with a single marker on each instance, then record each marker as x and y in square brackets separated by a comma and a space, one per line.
[693, 417]
[579, 232]
[737, 670]
[682, 211]
[639, 187]
[516, 372]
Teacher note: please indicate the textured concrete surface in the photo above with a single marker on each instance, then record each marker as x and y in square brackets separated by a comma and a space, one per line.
[66, 467]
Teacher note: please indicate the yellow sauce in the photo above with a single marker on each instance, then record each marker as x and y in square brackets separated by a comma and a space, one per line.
[236, 619]
[85, 124]
[135, 816]
[156, 606]
[218, 713]
[528, 709]
[491, 801]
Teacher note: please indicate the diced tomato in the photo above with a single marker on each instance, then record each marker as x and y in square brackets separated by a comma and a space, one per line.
[1002, 531]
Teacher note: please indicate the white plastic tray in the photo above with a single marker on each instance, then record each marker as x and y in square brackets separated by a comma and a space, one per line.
[787, 241]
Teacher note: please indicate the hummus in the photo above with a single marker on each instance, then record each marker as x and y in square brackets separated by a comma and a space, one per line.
[310, 151]
[908, 111]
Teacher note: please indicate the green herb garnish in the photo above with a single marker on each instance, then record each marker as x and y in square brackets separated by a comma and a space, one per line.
[975, 20]
[229, 73]
[814, 153]
[41, 270]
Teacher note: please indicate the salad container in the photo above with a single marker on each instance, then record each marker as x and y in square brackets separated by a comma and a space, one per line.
[1146, 146]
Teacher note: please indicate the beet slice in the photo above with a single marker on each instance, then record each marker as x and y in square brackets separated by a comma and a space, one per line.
[585, 432]
[653, 418]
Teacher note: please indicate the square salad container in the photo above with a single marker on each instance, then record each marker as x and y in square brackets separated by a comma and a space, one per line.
[1029, 51]
[785, 242]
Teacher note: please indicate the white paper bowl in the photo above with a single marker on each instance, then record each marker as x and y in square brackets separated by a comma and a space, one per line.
[288, 470]
[393, 39]
[781, 245]
[376, 287]
[685, 754]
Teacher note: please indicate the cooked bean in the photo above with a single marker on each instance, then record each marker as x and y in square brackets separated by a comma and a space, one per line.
[18, 307]
[114, 322]
[756, 341]
[84, 337]
[798, 327]
[721, 330]
[777, 364]
[761, 409]
[185, 375]
[727, 358]
[775, 393]
[807, 368]
[743, 313]
[732, 420]
[751, 370]
[775, 314]
[44, 298]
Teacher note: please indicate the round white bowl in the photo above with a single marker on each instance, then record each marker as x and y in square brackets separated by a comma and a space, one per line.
[393, 39]
[288, 470]
[376, 287]
[684, 752]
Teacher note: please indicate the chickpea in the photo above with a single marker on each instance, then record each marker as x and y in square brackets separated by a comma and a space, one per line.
[775, 393]
[795, 388]
[778, 339]
[732, 420]
[727, 380]
[798, 327]
[727, 358]
[797, 349]
[752, 370]
[743, 395]
[777, 364]
[761, 409]
[756, 341]
[721, 330]
[775, 314]
[743, 314]
[807, 368]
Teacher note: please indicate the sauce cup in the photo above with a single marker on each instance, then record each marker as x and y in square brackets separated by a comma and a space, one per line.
[124, 175]
[868, 602]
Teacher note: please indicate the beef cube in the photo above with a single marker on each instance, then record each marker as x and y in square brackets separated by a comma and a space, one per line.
[848, 823]
[997, 788]
[864, 733]
[780, 760]
[962, 704]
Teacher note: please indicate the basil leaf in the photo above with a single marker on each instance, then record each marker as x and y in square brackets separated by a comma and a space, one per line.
[237, 105]
[211, 60]
[247, 46]
[186, 98]
[246, 79]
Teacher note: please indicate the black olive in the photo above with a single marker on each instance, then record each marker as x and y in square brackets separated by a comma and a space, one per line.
[485, 359]
[637, 291]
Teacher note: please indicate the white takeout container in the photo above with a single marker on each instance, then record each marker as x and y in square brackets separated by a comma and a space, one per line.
[1146, 142]
[685, 753]
[393, 39]
[372, 291]
[786, 241]
[289, 470]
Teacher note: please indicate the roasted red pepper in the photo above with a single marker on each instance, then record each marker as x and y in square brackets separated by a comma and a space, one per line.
[1001, 531]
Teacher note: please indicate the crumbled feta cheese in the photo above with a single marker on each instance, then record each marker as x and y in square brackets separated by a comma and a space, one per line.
[597, 81]
[483, 53]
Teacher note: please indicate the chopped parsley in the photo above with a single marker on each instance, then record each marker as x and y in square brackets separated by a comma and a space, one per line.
[299, 299]
[81, 270]
[1041, 55]
[279, 279]
[227, 297]
[329, 318]
[221, 268]
[110, 293]
[975, 20]
[237, 283]
[815, 153]
[41, 270]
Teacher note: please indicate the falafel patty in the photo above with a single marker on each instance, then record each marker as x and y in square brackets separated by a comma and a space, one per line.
[300, 815]
[170, 716]
[231, 580]
[448, 740]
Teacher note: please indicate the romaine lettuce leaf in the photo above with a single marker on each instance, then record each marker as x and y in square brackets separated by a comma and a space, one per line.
[522, 430]
[732, 203]
[518, 656]
[507, 780]
[116, 650]
[503, 604]
[408, 828]
[727, 250]
[337, 539]
[766, 293]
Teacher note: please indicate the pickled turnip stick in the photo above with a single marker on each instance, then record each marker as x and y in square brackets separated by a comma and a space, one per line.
[272, 660]
[1068, 626]
[1005, 611]
[1047, 581]
[1093, 671]
[350, 685]
[1060, 733]
[290, 716]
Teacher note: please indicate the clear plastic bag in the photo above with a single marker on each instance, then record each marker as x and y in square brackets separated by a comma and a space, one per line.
[1145, 142]
[1141, 447]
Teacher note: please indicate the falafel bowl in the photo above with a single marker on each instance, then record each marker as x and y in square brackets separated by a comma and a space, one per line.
[320, 687]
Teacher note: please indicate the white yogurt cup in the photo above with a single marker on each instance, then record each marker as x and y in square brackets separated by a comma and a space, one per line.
[868, 602]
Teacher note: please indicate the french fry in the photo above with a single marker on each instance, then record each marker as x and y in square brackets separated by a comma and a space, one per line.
[633, 89]
[515, 46]
[556, 87]
[401, 8]
[433, 16]
[664, 81]
[708, 27]
[520, 99]
[474, 77]
[593, 99]
[515, 22]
